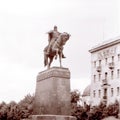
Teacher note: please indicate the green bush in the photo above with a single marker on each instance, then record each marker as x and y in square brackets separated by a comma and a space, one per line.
[96, 113]
[24, 109]
[17, 111]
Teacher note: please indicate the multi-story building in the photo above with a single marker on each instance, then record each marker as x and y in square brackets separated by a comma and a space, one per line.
[105, 72]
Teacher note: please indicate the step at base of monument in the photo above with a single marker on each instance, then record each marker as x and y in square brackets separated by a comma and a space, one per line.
[52, 117]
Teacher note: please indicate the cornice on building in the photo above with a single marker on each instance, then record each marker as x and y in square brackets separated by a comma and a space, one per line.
[105, 45]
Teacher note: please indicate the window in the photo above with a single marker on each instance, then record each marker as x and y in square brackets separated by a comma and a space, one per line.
[99, 77]
[112, 58]
[99, 93]
[106, 60]
[118, 91]
[112, 74]
[111, 92]
[105, 75]
[94, 78]
[118, 57]
[105, 93]
[99, 62]
[118, 73]
[94, 64]
[94, 94]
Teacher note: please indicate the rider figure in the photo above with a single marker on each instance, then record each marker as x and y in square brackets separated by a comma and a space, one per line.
[52, 36]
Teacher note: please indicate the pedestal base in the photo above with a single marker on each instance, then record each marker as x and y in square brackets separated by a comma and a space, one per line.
[52, 117]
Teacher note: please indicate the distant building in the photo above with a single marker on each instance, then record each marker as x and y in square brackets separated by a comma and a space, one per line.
[86, 96]
[105, 74]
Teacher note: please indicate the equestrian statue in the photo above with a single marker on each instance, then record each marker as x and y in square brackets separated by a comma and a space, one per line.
[55, 47]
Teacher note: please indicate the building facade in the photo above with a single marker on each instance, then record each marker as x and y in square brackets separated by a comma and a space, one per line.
[105, 73]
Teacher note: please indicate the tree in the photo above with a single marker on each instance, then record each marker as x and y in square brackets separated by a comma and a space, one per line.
[17, 111]
[26, 106]
[77, 110]
[75, 96]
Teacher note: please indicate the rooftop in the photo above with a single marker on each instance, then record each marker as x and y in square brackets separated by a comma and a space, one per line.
[105, 44]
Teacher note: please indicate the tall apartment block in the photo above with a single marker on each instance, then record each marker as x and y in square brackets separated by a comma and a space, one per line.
[105, 72]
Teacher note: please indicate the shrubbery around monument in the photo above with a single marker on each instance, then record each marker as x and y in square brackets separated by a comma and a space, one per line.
[17, 111]
[96, 113]
[24, 109]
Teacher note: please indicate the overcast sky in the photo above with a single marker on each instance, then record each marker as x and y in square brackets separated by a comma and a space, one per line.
[23, 27]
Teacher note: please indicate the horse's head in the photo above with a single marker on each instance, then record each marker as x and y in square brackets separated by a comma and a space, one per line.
[65, 37]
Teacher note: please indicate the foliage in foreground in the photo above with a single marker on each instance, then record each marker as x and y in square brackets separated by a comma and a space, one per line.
[17, 111]
[87, 113]
[24, 109]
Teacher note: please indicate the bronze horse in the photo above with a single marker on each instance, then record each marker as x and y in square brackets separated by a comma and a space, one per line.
[55, 50]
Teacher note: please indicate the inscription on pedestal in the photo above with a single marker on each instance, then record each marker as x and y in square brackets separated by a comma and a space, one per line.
[59, 72]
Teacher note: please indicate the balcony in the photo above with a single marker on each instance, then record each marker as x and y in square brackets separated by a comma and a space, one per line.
[104, 97]
[111, 65]
[105, 82]
[98, 68]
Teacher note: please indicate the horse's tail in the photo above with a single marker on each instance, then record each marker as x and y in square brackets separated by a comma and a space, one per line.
[45, 56]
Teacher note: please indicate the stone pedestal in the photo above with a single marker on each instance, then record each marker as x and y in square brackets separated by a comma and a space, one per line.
[52, 96]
